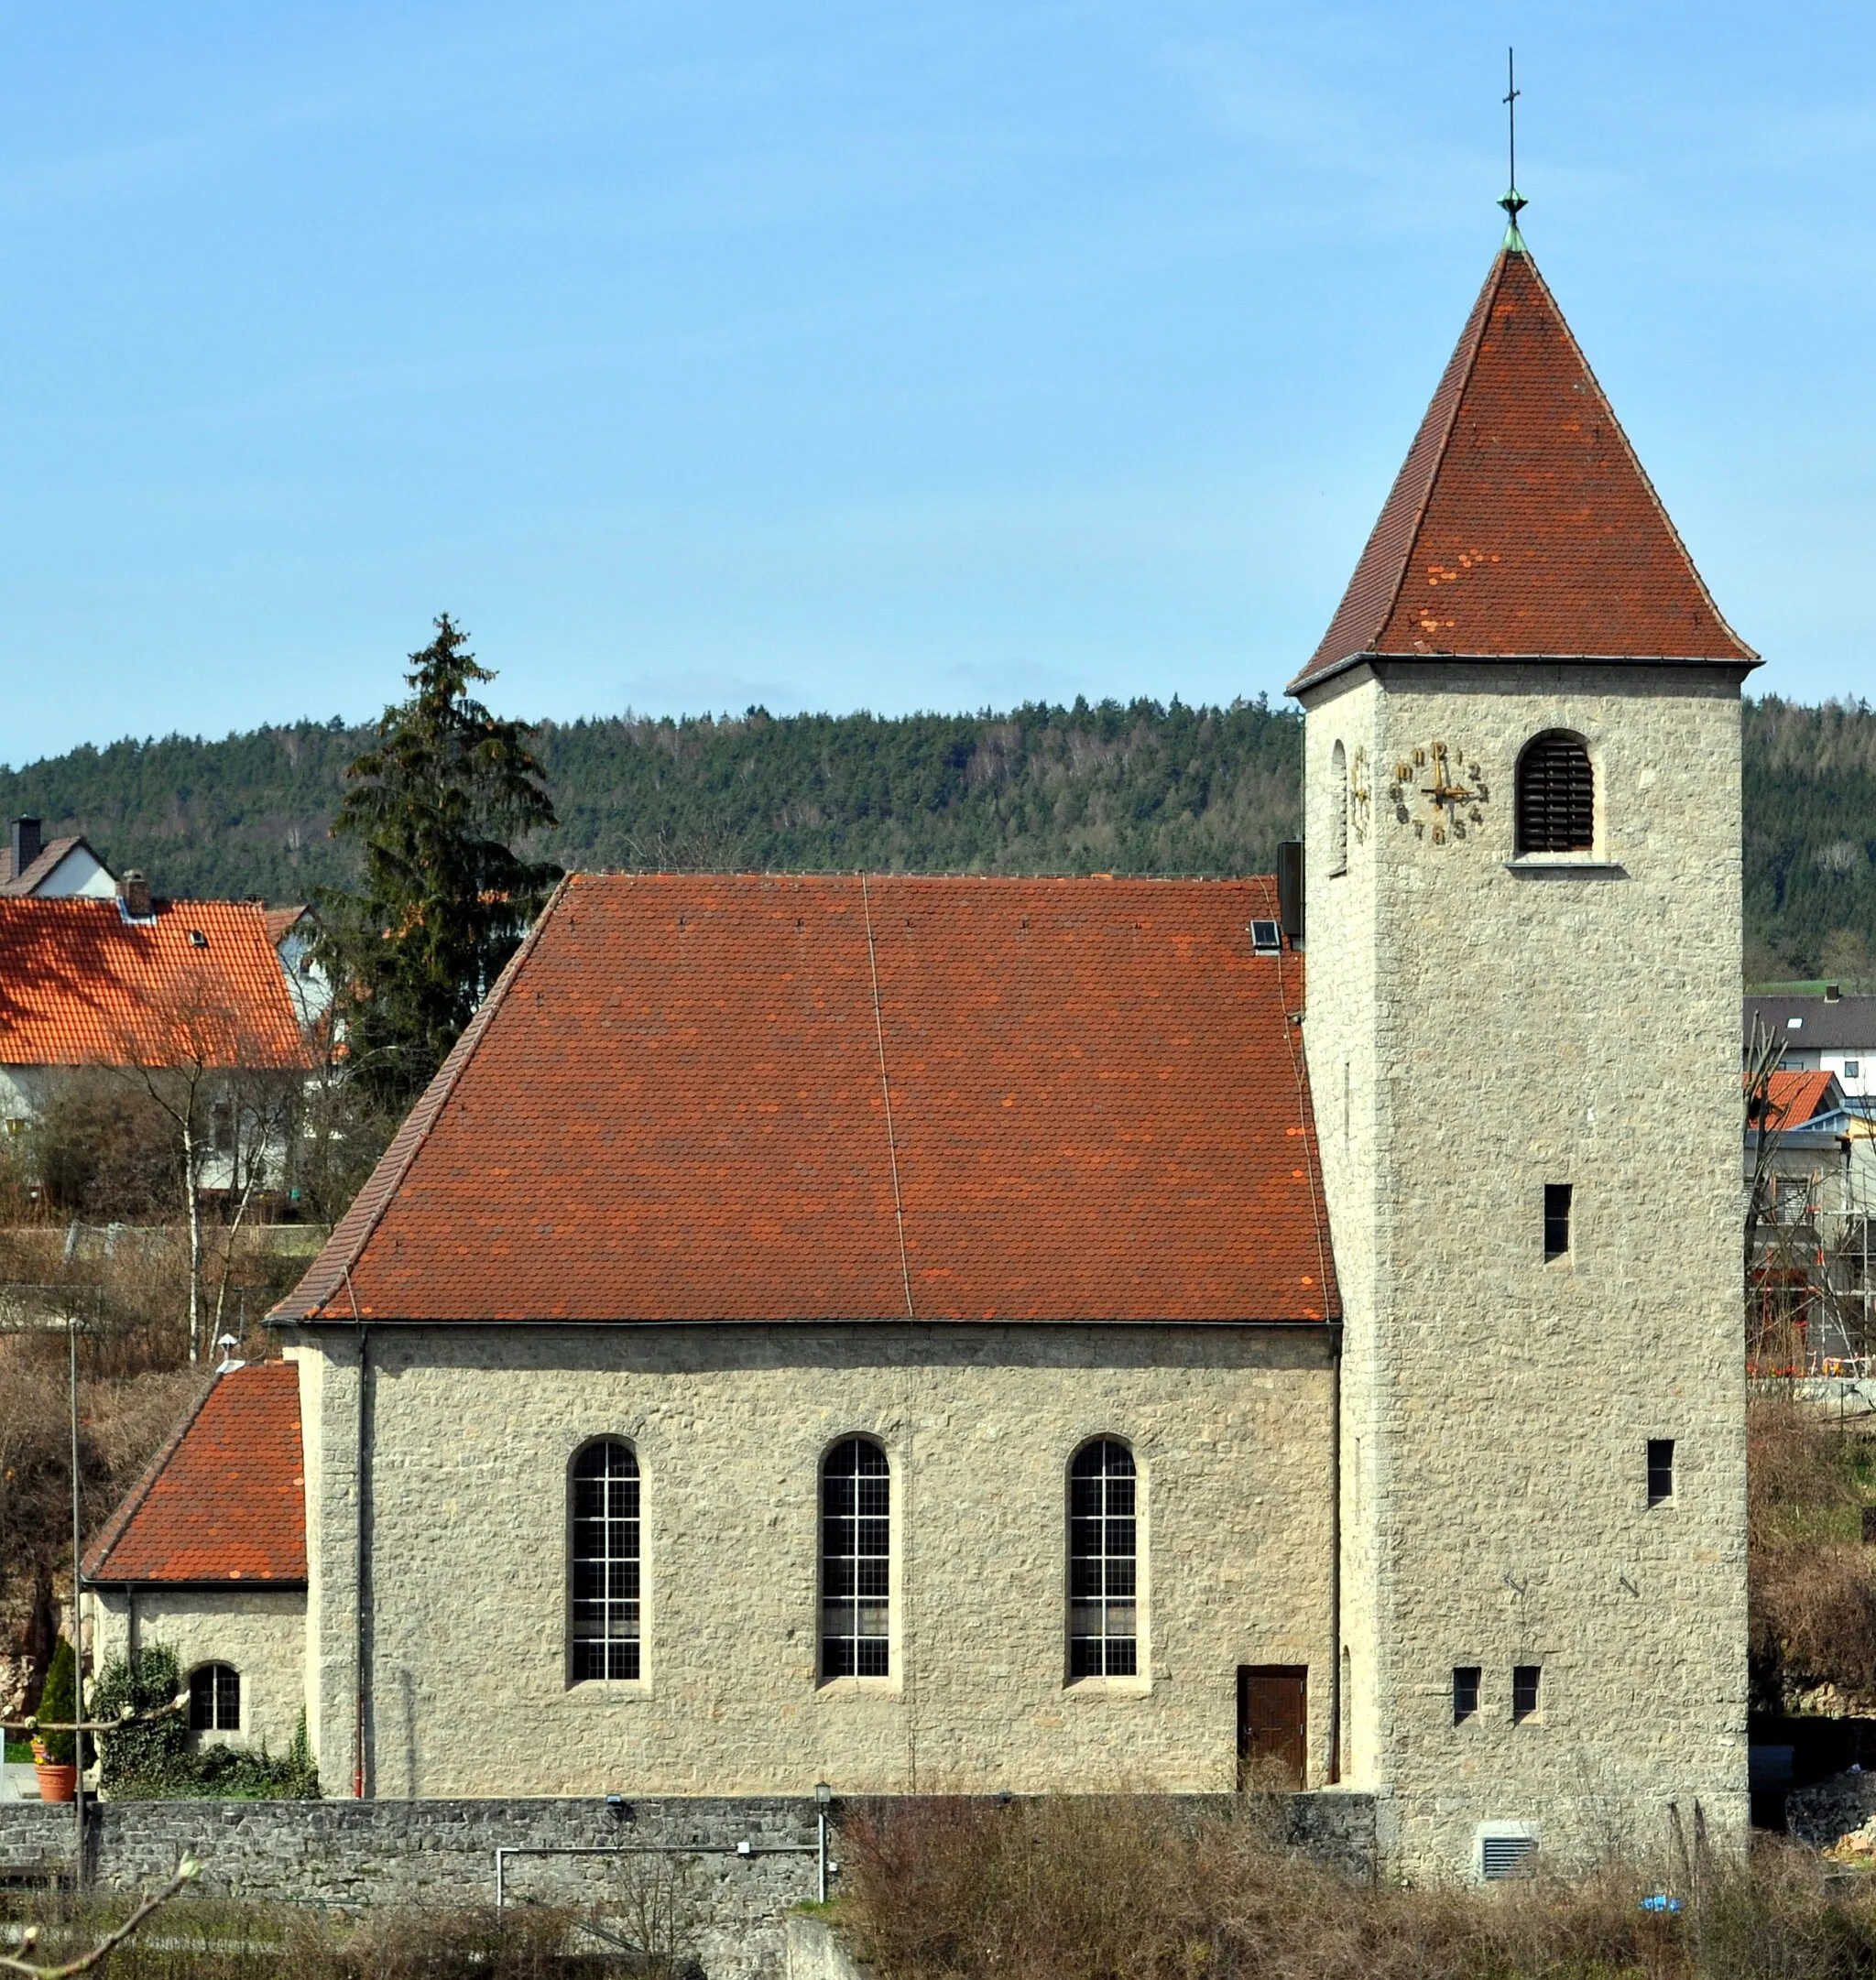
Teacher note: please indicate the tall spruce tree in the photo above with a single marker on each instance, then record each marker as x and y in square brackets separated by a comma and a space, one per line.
[445, 898]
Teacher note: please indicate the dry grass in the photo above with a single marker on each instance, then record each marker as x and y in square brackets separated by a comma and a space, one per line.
[1813, 1581]
[1119, 1889]
[203, 1940]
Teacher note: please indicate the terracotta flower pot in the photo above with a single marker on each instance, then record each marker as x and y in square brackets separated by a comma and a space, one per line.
[57, 1783]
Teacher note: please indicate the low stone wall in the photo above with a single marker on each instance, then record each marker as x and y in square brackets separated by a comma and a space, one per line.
[1819, 1814]
[742, 1863]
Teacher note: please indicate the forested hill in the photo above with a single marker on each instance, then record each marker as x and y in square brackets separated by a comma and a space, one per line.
[1138, 788]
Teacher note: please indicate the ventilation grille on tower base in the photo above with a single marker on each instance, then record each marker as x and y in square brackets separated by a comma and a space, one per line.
[1501, 1856]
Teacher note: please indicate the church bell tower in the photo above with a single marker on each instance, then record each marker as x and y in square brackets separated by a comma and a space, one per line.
[1522, 830]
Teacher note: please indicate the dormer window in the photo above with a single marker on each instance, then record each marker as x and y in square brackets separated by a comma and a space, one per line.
[1556, 795]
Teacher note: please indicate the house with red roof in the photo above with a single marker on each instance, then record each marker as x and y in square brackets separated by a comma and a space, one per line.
[190, 993]
[938, 1334]
[31, 865]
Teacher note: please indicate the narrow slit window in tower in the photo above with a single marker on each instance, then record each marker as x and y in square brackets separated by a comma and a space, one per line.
[1466, 1678]
[1557, 1219]
[1660, 1470]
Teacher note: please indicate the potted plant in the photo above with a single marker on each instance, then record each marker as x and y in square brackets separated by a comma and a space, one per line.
[55, 1753]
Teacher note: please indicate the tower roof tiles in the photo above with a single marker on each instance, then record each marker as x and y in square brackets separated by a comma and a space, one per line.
[1521, 524]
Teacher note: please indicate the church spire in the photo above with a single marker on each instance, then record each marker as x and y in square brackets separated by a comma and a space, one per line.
[1521, 524]
[1514, 203]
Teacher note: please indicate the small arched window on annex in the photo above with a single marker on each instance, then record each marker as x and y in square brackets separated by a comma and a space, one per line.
[856, 1561]
[1556, 795]
[1103, 1562]
[214, 1699]
[1338, 810]
[605, 1612]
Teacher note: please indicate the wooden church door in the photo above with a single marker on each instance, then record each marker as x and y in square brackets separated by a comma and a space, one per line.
[1272, 1720]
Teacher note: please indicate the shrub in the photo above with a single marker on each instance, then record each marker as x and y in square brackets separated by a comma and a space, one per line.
[154, 1747]
[150, 1760]
[1095, 1888]
[58, 1702]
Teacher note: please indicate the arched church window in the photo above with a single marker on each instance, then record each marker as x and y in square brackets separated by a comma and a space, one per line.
[1556, 795]
[214, 1699]
[856, 1561]
[605, 1562]
[1103, 1567]
[1338, 810]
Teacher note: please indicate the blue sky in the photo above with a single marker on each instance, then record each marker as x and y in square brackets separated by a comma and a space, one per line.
[835, 356]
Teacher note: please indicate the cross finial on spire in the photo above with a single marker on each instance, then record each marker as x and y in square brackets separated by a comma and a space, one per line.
[1514, 203]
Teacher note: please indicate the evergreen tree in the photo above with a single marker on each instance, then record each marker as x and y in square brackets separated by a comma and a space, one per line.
[444, 899]
[58, 1704]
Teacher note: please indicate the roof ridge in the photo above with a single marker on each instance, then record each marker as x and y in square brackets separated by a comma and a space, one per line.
[99, 1552]
[329, 1270]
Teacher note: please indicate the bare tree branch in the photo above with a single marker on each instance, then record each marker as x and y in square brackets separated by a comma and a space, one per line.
[186, 1873]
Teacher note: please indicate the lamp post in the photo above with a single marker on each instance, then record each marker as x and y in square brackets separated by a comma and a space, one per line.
[824, 1795]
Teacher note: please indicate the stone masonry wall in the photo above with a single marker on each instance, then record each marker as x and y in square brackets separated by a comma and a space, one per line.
[357, 1854]
[260, 1632]
[473, 1430]
[1499, 1023]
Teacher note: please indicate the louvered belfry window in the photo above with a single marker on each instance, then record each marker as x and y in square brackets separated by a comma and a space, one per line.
[1556, 796]
[606, 1562]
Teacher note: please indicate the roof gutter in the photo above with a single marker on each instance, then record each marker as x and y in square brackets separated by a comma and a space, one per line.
[221, 1584]
[436, 1319]
[1316, 677]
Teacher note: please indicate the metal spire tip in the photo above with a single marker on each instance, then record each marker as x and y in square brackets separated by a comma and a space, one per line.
[1514, 203]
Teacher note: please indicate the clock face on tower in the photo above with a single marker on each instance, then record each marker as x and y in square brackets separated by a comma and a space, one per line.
[1439, 793]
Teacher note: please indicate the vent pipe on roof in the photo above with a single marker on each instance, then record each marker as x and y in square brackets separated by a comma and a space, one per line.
[134, 891]
[28, 843]
[1290, 889]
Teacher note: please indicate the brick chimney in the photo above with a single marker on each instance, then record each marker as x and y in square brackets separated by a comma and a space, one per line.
[27, 843]
[134, 891]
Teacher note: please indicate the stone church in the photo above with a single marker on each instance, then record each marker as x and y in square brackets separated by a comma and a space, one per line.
[982, 1334]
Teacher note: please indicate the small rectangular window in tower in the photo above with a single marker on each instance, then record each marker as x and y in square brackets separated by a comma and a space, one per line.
[1466, 1678]
[1557, 1219]
[1660, 1470]
[1524, 1683]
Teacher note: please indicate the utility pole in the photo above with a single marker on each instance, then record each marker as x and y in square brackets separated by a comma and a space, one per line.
[77, 1615]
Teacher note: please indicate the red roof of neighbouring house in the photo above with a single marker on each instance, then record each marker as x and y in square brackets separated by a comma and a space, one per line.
[225, 1500]
[82, 985]
[1793, 1098]
[1522, 524]
[672, 1107]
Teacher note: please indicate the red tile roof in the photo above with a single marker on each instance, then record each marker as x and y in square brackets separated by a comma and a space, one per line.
[1793, 1098]
[1522, 524]
[671, 1109]
[81, 984]
[225, 1500]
